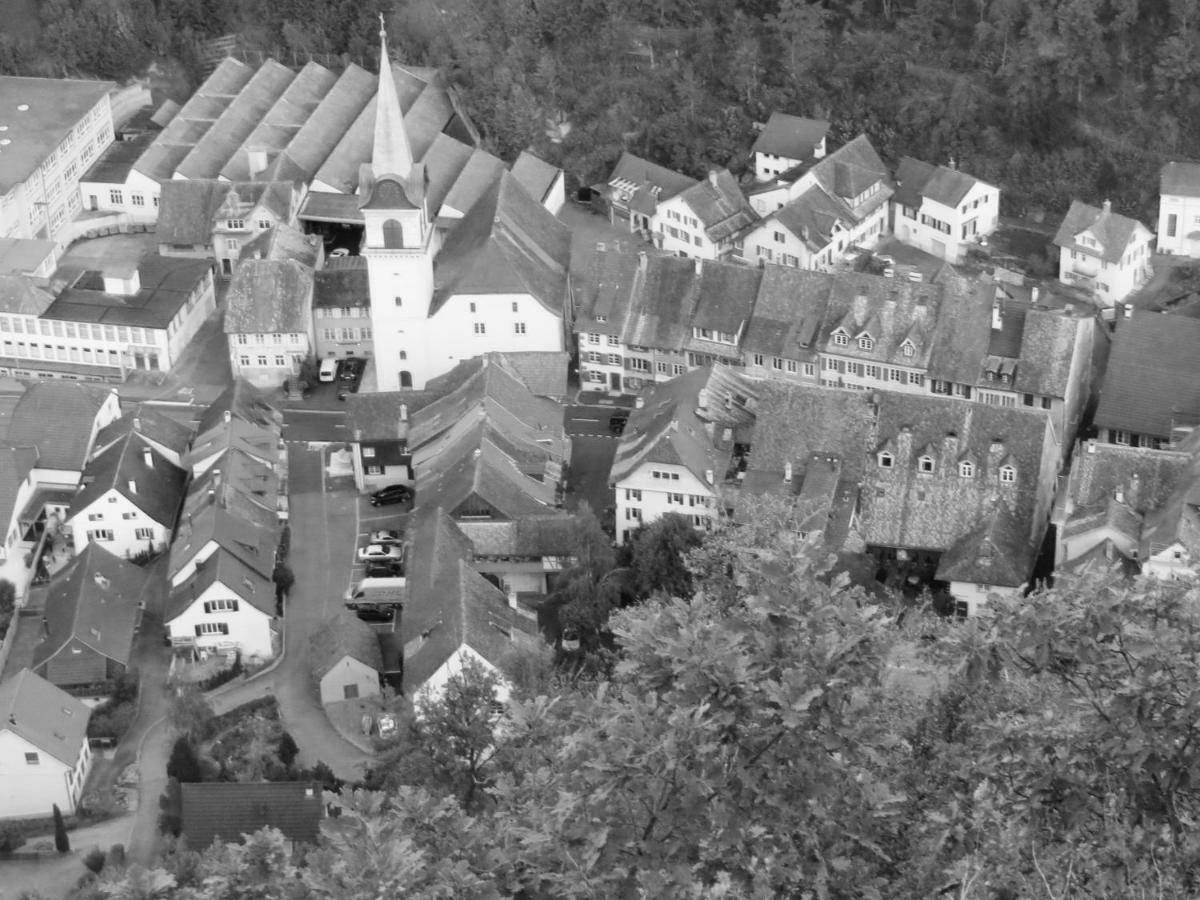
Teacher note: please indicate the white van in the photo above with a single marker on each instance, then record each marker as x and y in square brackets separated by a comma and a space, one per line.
[328, 371]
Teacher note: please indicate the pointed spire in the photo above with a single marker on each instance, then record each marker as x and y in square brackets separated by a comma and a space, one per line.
[392, 154]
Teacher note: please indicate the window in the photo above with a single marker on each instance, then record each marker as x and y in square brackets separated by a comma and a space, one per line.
[866, 342]
[759, 359]
[211, 628]
[276, 337]
[1008, 475]
[916, 378]
[31, 759]
[966, 469]
[632, 512]
[235, 224]
[144, 534]
[518, 327]
[779, 238]
[677, 369]
[908, 348]
[95, 517]
[614, 359]
[281, 361]
[614, 341]
[264, 224]
[515, 306]
[810, 369]
[245, 360]
[262, 360]
[403, 354]
[115, 197]
[100, 534]
[925, 465]
[886, 460]
[639, 365]
[663, 368]
[231, 243]
[480, 328]
[224, 604]
[349, 691]
[791, 367]
[471, 306]
[400, 302]
[595, 357]
[840, 338]
[593, 338]
[364, 334]
[633, 494]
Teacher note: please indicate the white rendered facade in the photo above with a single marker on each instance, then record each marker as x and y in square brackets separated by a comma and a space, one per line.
[655, 489]
[117, 524]
[32, 780]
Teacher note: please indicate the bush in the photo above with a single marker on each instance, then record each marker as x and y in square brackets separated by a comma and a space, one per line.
[287, 751]
[184, 764]
[11, 838]
[94, 860]
[111, 721]
[224, 676]
[62, 842]
[116, 855]
[8, 605]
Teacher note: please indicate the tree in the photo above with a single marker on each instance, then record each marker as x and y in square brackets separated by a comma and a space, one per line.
[658, 556]
[190, 713]
[586, 593]
[287, 749]
[284, 579]
[183, 765]
[62, 841]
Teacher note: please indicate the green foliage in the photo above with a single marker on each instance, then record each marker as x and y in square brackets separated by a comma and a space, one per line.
[11, 837]
[190, 714]
[183, 764]
[94, 859]
[62, 841]
[287, 750]
[8, 605]
[585, 594]
[657, 556]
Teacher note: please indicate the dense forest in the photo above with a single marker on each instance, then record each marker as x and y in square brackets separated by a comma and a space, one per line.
[780, 734]
[1051, 99]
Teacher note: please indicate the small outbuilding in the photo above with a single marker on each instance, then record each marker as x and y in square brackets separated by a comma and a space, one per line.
[346, 659]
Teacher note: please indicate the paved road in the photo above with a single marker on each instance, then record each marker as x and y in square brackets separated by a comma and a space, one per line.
[315, 425]
[592, 447]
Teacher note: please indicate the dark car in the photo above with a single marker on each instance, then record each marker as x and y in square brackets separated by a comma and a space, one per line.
[393, 493]
[616, 424]
[391, 568]
[351, 368]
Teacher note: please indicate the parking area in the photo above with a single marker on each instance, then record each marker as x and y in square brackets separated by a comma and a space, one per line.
[384, 528]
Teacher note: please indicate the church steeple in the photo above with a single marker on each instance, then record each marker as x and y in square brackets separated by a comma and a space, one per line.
[392, 154]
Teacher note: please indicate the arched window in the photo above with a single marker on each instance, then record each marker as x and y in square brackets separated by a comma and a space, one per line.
[966, 469]
[393, 235]
[404, 354]
[885, 460]
[925, 464]
[909, 349]
[1008, 475]
[406, 379]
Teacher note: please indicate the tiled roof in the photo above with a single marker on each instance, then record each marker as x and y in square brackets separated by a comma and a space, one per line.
[1180, 179]
[50, 108]
[244, 401]
[1047, 344]
[892, 313]
[787, 314]
[223, 812]
[96, 601]
[1177, 520]
[720, 206]
[532, 536]
[46, 716]
[284, 242]
[916, 180]
[812, 216]
[20, 294]
[1145, 478]
[995, 552]
[332, 118]
[151, 424]
[792, 137]
[136, 471]
[507, 244]
[450, 605]
[224, 568]
[658, 183]
[544, 373]
[165, 285]
[604, 296]
[535, 175]
[15, 465]
[850, 171]
[684, 421]
[24, 256]
[117, 161]
[962, 334]
[342, 283]
[1114, 232]
[1151, 382]
[269, 296]
[57, 417]
[342, 635]
[186, 210]
[726, 296]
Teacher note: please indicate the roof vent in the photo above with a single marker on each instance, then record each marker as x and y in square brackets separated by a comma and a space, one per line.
[787, 472]
[132, 486]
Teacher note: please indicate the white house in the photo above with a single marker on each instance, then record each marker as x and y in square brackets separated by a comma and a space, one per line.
[128, 499]
[941, 210]
[44, 753]
[703, 220]
[345, 658]
[543, 182]
[635, 188]
[677, 447]
[786, 142]
[269, 321]
[1103, 251]
[223, 607]
[1179, 209]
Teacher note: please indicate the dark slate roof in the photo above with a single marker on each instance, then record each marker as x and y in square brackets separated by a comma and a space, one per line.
[1047, 345]
[726, 296]
[850, 170]
[139, 473]
[893, 313]
[243, 401]
[683, 422]
[1113, 231]
[449, 604]
[268, 297]
[544, 373]
[792, 137]
[55, 106]
[508, 243]
[1152, 383]
[603, 297]
[96, 601]
[284, 242]
[151, 424]
[342, 635]
[657, 181]
[57, 417]
[186, 210]
[995, 552]
[165, 284]
[961, 337]
[941, 184]
[224, 811]
[720, 206]
[46, 716]
[116, 162]
[787, 313]
[812, 215]
[224, 568]
[344, 282]
[535, 175]
[376, 416]
[1180, 179]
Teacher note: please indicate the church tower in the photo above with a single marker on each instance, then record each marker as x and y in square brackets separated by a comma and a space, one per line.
[399, 242]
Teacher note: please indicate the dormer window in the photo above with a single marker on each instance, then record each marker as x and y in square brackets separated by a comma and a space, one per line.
[865, 342]
[908, 349]
[886, 460]
[966, 469]
[1008, 474]
[235, 224]
[1005, 378]
[841, 339]
[925, 464]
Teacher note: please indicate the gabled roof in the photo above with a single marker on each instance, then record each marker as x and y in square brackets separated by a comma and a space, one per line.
[222, 568]
[995, 552]
[543, 372]
[57, 417]
[891, 311]
[1145, 478]
[450, 605]
[792, 137]
[917, 180]
[269, 296]
[44, 715]
[137, 472]
[507, 244]
[535, 175]
[15, 465]
[96, 601]
[342, 635]
[223, 812]
[1150, 385]
[150, 424]
[532, 536]
[850, 170]
[244, 401]
[684, 422]
[1047, 349]
[1114, 232]
[21, 294]
[632, 173]
[344, 282]
[117, 161]
[188, 209]
[812, 216]
[719, 204]
[283, 242]
[1180, 179]
[788, 312]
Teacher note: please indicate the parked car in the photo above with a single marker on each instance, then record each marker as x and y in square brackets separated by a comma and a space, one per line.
[328, 370]
[352, 368]
[393, 493]
[374, 552]
[384, 568]
[387, 536]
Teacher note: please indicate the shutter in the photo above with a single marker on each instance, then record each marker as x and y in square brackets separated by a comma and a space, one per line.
[235, 606]
[224, 628]
[207, 606]
[199, 631]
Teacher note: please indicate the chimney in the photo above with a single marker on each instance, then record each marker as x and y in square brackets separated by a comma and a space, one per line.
[1091, 446]
[1135, 490]
[712, 177]
[256, 161]
[997, 316]
[1129, 310]
[1107, 207]
[358, 435]
[953, 164]
[904, 445]
[1119, 495]
[804, 233]
[512, 598]
[1034, 294]
[403, 412]
[228, 416]
[148, 457]
[702, 399]
[787, 472]
[122, 280]
[708, 475]
[132, 486]
[950, 449]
